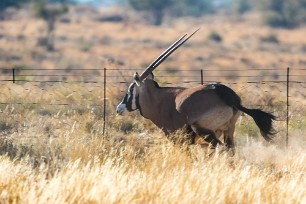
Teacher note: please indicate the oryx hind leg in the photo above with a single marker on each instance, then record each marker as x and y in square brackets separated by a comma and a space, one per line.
[229, 136]
[208, 135]
[228, 133]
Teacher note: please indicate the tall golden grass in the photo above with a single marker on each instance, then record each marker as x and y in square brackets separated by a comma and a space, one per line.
[96, 171]
[63, 157]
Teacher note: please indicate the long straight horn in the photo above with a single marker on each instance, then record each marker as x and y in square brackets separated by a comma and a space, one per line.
[151, 67]
[165, 54]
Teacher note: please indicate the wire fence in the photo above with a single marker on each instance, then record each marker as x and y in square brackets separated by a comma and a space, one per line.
[281, 91]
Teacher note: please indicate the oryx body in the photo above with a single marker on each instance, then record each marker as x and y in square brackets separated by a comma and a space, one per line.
[205, 111]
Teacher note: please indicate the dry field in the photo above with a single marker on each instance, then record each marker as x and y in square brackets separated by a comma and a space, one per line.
[58, 154]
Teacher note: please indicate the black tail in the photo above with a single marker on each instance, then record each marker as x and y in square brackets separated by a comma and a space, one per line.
[262, 119]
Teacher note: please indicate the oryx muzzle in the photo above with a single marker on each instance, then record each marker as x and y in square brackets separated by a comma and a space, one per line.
[207, 111]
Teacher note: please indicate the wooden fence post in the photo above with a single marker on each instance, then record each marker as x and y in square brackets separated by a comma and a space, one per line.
[14, 75]
[104, 102]
[202, 78]
[287, 114]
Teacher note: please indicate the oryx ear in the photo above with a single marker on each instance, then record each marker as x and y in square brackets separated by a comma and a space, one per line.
[137, 79]
[150, 76]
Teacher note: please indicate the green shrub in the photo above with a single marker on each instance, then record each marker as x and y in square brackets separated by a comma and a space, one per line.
[127, 125]
[4, 126]
[270, 39]
[214, 36]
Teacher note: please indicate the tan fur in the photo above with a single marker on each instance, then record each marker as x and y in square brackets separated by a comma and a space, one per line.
[174, 108]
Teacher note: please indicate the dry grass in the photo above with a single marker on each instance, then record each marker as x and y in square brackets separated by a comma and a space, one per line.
[96, 170]
[57, 154]
[64, 158]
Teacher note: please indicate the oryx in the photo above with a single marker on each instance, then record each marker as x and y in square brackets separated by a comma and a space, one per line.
[206, 110]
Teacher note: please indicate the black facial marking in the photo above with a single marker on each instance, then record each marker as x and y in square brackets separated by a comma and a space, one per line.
[125, 99]
[138, 105]
[130, 96]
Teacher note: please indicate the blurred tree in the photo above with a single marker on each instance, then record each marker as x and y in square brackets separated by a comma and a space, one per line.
[49, 13]
[283, 13]
[242, 6]
[155, 7]
[191, 7]
[11, 3]
[175, 8]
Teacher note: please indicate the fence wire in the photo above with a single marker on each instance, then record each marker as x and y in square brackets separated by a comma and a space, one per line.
[99, 90]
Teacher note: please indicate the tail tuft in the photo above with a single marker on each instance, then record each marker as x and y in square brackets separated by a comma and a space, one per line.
[263, 120]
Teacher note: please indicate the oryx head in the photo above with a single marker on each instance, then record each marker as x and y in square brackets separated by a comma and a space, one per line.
[130, 100]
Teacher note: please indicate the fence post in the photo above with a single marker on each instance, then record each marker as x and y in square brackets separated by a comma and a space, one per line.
[104, 102]
[202, 80]
[14, 75]
[287, 114]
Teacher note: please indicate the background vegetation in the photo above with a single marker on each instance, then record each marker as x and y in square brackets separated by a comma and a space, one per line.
[276, 13]
[58, 154]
